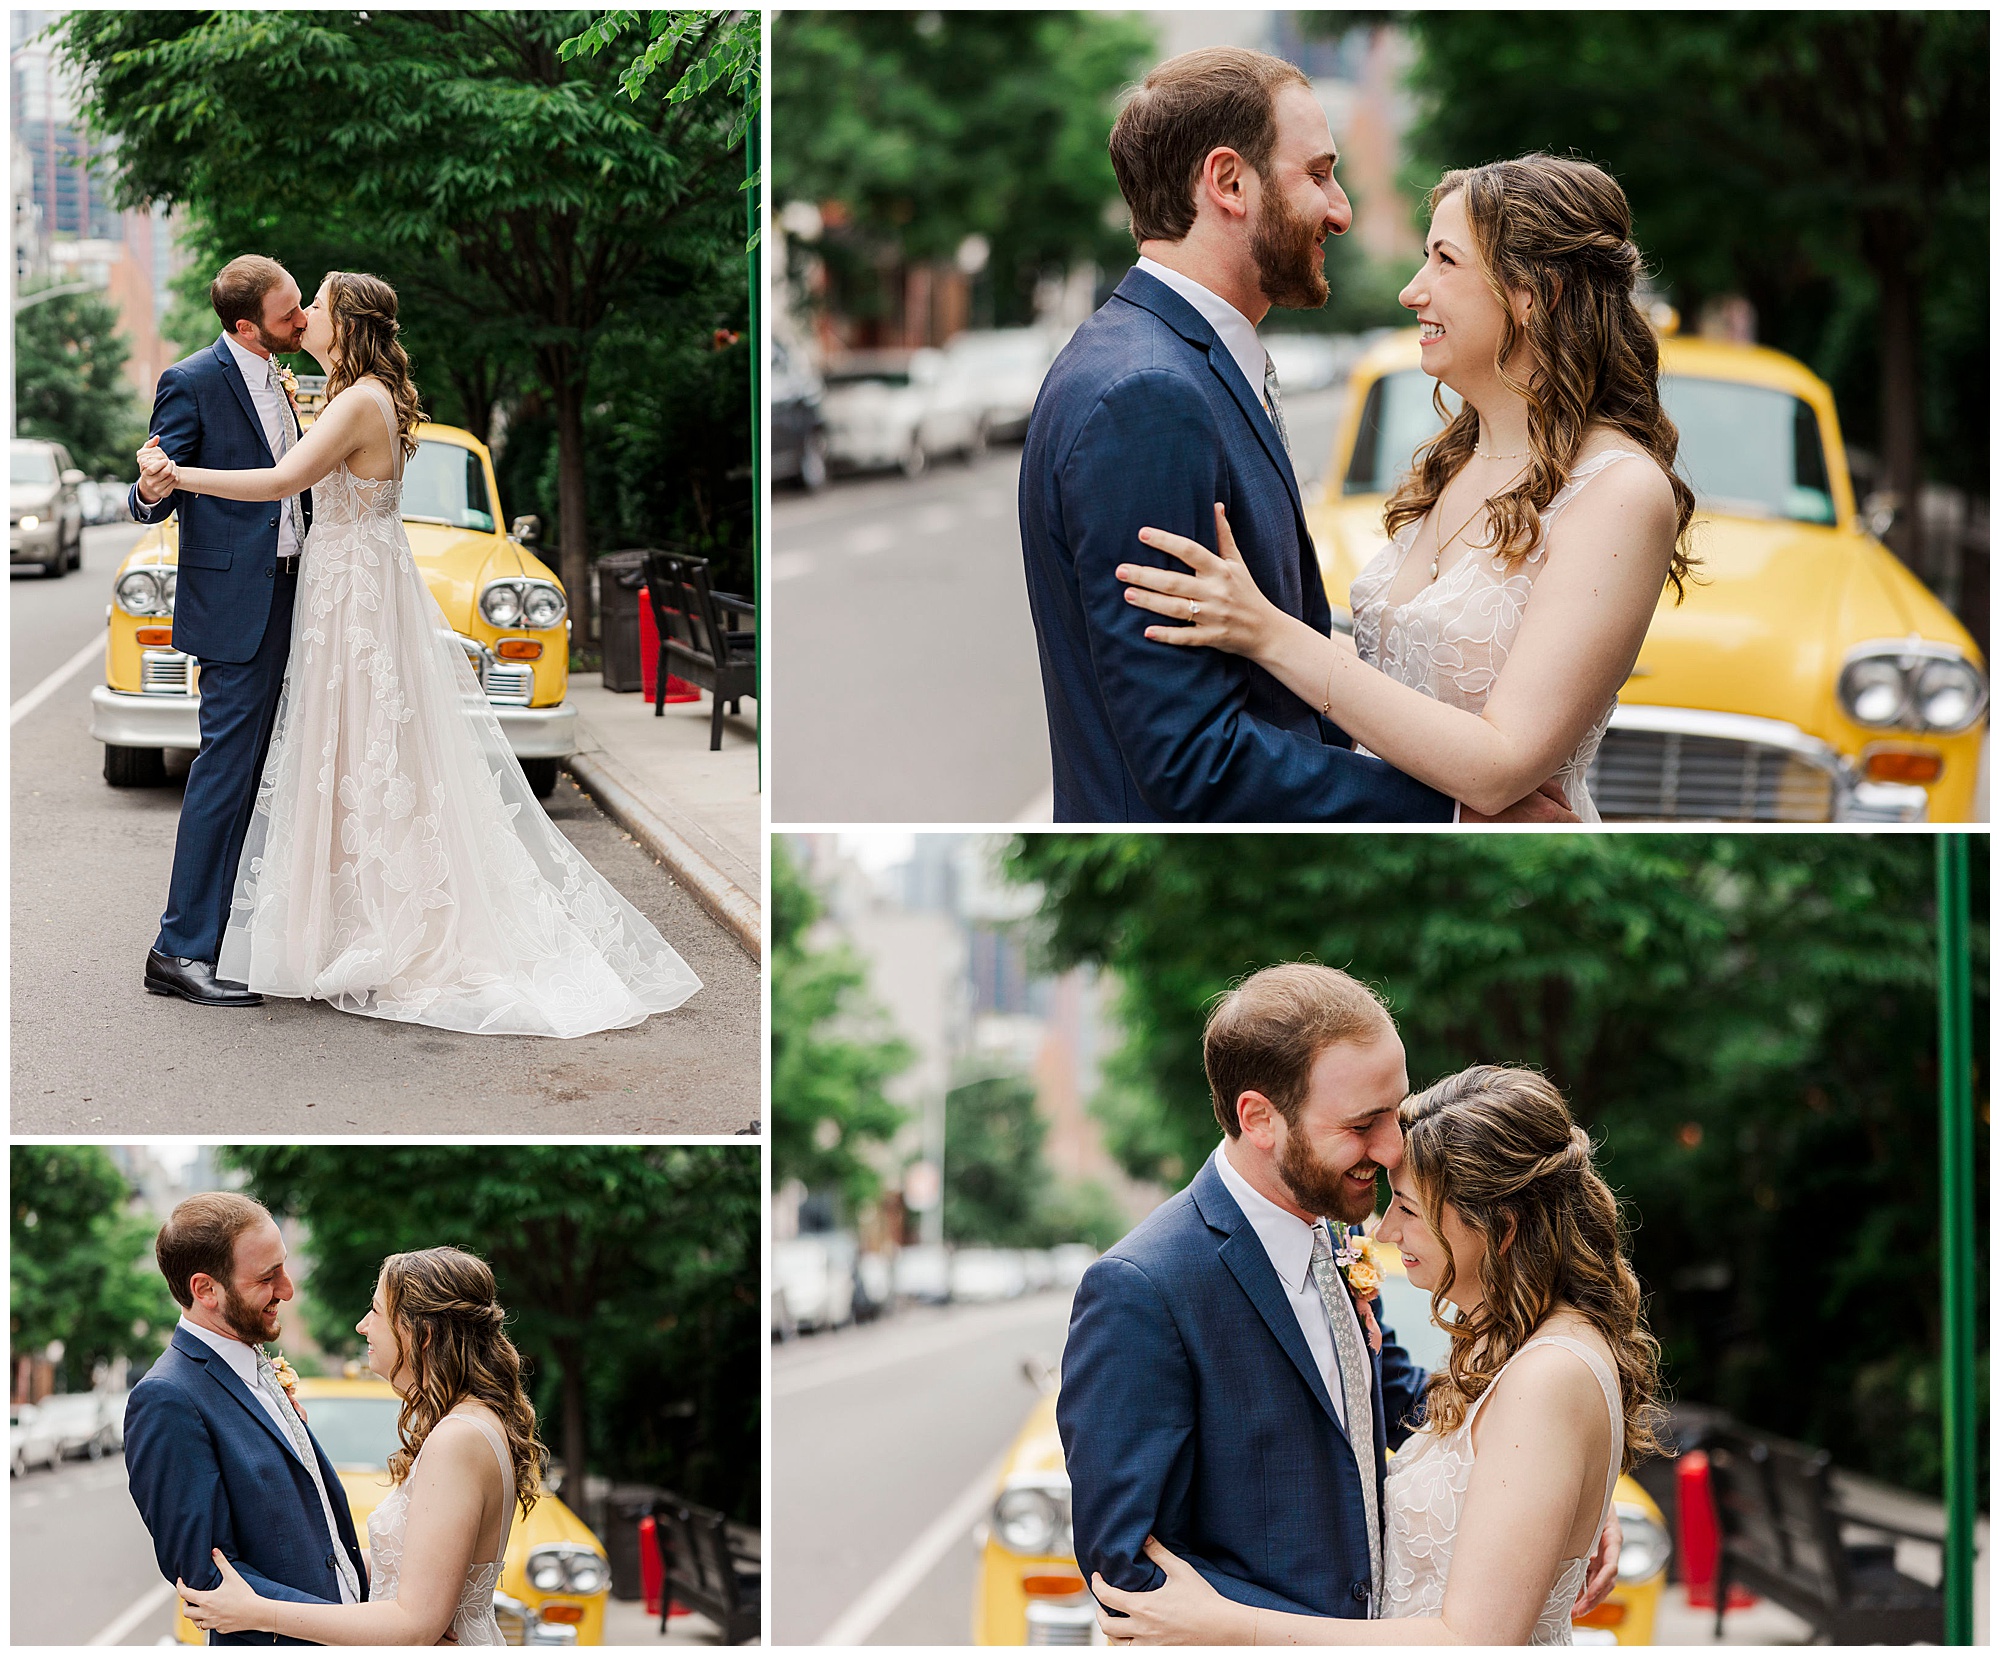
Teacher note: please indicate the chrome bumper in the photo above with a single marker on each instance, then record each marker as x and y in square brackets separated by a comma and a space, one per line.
[121, 720]
[1683, 764]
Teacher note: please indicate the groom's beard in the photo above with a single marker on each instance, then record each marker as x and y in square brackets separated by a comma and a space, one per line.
[246, 1322]
[1321, 1189]
[1283, 247]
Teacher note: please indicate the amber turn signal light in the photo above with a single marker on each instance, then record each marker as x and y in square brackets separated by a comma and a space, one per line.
[1608, 1614]
[1903, 764]
[519, 649]
[1052, 1586]
[156, 637]
[571, 1613]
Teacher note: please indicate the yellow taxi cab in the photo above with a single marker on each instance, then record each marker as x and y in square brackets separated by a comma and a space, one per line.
[1030, 1591]
[557, 1575]
[504, 605]
[1808, 676]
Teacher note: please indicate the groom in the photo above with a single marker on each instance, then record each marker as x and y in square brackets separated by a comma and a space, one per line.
[1219, 1387]
[216, 1450]
[1162, 404]
[226, 407]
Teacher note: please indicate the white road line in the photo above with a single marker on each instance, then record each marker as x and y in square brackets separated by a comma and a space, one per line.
[874, 1606]
[135, 1614]
[93, 651]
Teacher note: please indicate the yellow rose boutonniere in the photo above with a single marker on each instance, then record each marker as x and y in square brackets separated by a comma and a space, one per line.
[1364, 1281]
[288, 1377]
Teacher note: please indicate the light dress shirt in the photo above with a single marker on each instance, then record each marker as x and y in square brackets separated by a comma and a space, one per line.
[242, 1360]
[274, 413]
[1288, 1241]
[1236, 331]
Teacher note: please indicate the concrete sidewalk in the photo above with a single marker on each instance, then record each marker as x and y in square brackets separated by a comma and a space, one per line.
[697, 813]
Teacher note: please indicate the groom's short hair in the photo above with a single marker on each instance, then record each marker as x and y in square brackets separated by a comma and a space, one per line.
[1266, 1034]
[199, 1239]
[237, 293]
[1220, 97]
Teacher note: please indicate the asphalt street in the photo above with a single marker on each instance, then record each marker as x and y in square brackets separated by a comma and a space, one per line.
[903, 657]
[82, 1562]
[93, 1053]
[884, 1442]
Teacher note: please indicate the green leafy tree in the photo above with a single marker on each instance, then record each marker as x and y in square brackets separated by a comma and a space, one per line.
[521, 200]
[1747, 1023]
[69, 383]
[829, 1057]
[630, 1274]
[928, 127]
[81, 1266]
[1832, 166]
[994, 1174]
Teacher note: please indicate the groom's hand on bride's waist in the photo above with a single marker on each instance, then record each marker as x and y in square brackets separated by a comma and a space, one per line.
[1548, 803]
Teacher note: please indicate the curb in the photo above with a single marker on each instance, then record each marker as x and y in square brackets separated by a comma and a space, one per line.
[727, 903]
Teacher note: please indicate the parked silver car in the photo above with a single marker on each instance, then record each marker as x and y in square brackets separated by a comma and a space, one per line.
[44, 510]
[899, 408]
[1005, 368]
[83, 1424]
[30, 1442]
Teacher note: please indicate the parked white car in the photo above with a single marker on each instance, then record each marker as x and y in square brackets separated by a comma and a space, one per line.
[816, 1275]
[923, 1273]
[1071, 1260]
[29, 1442]
[1005, 367]
[988, 1274]
[82, 1424]
[899, 408]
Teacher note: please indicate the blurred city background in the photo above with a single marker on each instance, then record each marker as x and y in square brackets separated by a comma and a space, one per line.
[629, 1274]
[986, 1066]
[945, 215]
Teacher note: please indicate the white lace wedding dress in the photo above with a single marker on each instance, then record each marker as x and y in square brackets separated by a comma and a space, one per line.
[1451, 639]
[1425, 1490]
[473, 1622]
[397, 863]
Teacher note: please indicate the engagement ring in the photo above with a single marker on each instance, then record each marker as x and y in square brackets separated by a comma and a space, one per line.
[1194, 609]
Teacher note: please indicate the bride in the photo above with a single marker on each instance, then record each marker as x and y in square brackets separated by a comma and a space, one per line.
[397, 863]
[1526, 556]
[1494, 1507]
[469, 1458]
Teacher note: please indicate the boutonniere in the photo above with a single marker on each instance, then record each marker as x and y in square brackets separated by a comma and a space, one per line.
[288, 1377]
[1364, 1281]
[290, 382]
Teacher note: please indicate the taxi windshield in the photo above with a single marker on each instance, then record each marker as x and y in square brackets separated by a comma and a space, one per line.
[357, 1433]
[446, 484]
[1746, 450]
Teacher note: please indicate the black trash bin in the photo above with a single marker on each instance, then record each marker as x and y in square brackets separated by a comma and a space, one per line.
[621, 578]
[623, 1508]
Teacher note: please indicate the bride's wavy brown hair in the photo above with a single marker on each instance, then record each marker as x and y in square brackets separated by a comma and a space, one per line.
[1561, 231]
[452, 1331]
[1500, 1147]
[365, 343]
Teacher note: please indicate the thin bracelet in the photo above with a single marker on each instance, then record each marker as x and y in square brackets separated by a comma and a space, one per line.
[1326, 707]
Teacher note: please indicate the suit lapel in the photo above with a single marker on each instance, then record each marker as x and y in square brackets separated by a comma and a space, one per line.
[1243, 1252]
[234, 374]
[227, 1378]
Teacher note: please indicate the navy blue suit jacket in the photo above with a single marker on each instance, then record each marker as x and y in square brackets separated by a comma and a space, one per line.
[1145, 420]
[209, 1468]
[1191, 1409]
[203, 416]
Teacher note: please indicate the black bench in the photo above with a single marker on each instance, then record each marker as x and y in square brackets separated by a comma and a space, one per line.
[699, 636]
[1783, 1537]
[708, 1569]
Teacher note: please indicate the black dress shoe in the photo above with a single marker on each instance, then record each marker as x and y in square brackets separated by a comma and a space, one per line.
[194, 980]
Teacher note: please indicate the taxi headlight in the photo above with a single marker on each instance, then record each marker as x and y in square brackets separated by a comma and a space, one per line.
[1646, 1548]
[31, 522]
[1912, 685]
[500, 603]
[567, 1568]
[170, 581]
[139, 593]
[586, 1574]
[542, 605]
[546, 1573]
[1032, 1521]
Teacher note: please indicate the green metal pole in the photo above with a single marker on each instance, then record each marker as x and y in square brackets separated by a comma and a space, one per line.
[1961, 1396]
[752, 147]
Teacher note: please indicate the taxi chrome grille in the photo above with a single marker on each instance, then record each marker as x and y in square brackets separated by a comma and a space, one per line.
[512, 1616]
[1682, 776]
[166, 673]
[1061, 1624]
[509, 683]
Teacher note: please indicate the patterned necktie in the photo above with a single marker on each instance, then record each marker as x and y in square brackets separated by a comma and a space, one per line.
[292, 512]
[295, 1428]
[1273, 404]
[1356, 1384]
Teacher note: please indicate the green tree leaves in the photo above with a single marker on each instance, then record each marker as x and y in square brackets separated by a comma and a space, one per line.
[81, 1268]
[69, 383]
